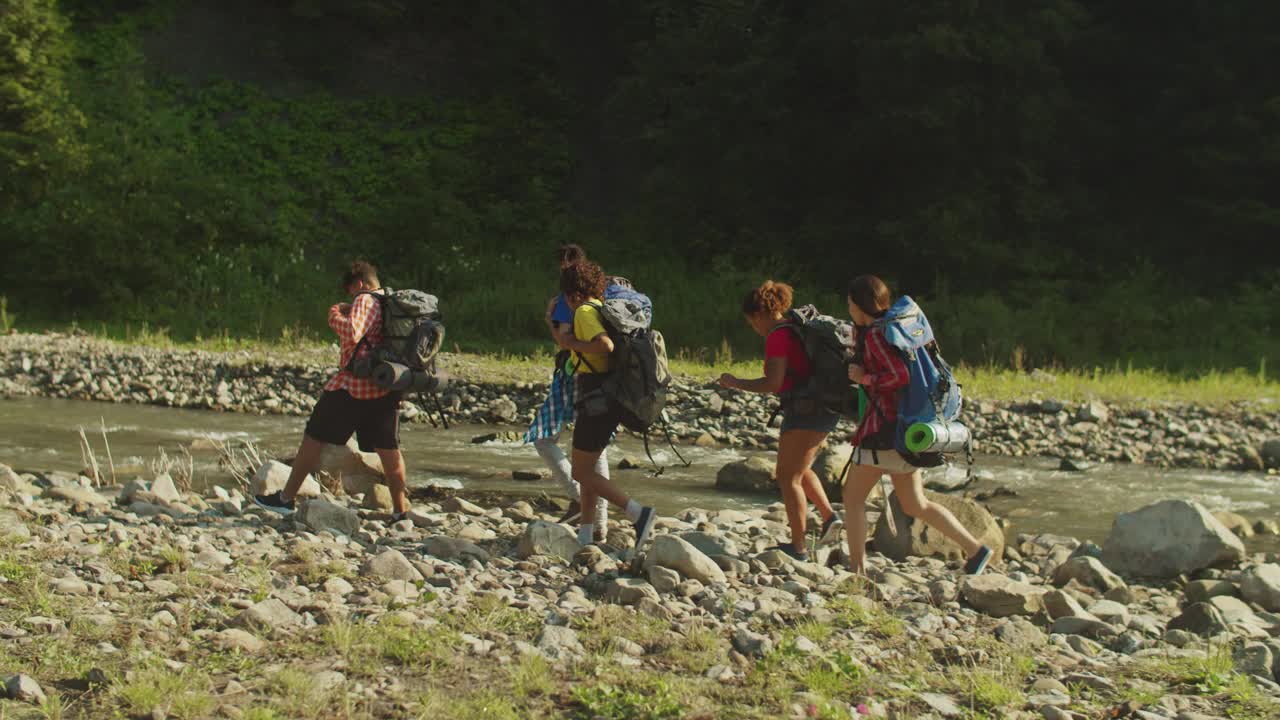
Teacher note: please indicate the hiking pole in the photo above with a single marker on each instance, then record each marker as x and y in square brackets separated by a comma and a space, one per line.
[435, 397]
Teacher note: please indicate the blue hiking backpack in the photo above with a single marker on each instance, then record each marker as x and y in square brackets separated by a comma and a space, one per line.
[929, 406]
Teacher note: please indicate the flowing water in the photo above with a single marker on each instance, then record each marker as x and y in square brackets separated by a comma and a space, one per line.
[43, 434]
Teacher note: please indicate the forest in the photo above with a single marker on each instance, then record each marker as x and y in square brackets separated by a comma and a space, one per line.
[1062, 183]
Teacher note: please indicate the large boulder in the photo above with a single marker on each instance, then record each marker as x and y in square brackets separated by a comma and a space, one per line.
[999, 596]
[1167, 539]
[1261, 586]
[322, 515]
[544, 538]
[753, 475]
[356, 471]
[829, 465]
[909, 537]
[669, 551]
[271, 477]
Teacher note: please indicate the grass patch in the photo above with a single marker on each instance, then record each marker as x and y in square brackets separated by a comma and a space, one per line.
[532, 678]
[646, 699]
[181, 695]
[1123, 386]
[491, 615]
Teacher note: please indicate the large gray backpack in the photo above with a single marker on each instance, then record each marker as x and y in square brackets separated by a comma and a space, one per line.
[829, 346]
[412, 332]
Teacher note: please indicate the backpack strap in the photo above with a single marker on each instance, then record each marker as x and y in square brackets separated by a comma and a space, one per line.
[582, 359]
[381, 298]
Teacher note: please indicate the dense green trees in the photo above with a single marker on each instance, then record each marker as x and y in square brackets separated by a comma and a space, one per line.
[1065, 180]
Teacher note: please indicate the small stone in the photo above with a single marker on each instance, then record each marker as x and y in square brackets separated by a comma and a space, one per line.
[629, 591]
[338, 586]
[268, 614]
[751, 644]
[664, 580]
[1261, 586]
[999, 596]
[391, 564]
[944, 705]
[545, 538]
[458, 505]
[1201, 619]
[238, 640]
[559, 642]
[24, 688]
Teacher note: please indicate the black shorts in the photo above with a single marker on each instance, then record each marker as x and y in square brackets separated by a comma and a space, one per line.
[596, 418]
[376, 423]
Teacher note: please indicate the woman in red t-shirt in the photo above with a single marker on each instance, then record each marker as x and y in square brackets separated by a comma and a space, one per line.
[785, 365]
[882, 372]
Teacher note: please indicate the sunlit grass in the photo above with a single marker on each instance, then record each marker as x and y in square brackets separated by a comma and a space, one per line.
[532, 362]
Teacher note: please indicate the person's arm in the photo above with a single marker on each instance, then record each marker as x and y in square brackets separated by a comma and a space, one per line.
[885, 371]
[598, 345]
[775, 372]
[776, 347]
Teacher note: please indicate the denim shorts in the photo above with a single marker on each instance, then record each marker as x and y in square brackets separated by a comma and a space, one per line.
[820, 421]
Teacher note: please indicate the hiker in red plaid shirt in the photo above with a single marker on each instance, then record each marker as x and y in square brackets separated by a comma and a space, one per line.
[350, 404]
[883, 373]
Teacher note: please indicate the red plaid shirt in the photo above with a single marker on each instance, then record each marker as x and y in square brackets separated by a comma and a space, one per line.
[886, 375]
[365, 321]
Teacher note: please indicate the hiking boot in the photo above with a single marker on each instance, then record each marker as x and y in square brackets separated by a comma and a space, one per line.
[791, 552]
[571, 515]
[976, 564]
[643, 525]
[831, 529]
[275, 502]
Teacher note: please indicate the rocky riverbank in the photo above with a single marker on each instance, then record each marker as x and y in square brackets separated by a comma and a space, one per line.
[1234, 437]
[150, 601]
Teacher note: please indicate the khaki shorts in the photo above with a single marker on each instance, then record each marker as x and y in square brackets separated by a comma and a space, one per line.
[887, 460]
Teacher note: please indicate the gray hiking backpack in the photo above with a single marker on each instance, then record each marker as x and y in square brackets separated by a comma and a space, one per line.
[412, 333]
[829, 346]
[639, 377]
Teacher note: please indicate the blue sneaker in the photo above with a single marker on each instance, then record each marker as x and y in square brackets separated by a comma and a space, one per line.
[978, 562]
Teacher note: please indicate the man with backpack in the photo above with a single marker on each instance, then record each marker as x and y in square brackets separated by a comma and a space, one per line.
[352, 404]
[599, 408]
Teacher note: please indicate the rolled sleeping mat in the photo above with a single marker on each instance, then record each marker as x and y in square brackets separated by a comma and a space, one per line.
[943, 437]
[392, 376]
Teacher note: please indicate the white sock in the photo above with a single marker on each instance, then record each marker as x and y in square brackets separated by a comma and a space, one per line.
[585, 534]
[633, 510]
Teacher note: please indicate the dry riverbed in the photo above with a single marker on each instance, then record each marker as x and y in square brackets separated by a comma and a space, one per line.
[148, 601]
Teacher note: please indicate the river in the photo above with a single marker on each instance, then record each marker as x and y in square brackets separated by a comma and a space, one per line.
[43, 434]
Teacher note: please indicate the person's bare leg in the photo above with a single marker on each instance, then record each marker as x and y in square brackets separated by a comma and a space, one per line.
[909, 487]
[796, 451]
[817, 494]
[393, 470]
[591, 481]
[862, 479]
[304, 463]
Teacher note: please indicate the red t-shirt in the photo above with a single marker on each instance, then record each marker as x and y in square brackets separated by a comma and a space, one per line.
[783, 343]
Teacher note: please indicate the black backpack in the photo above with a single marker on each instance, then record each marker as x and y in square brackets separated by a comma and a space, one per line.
[829, 345]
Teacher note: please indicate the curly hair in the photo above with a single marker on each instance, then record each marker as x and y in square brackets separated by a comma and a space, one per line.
[582, 281]
[771, 297]
[360, 270]
[870, 294]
